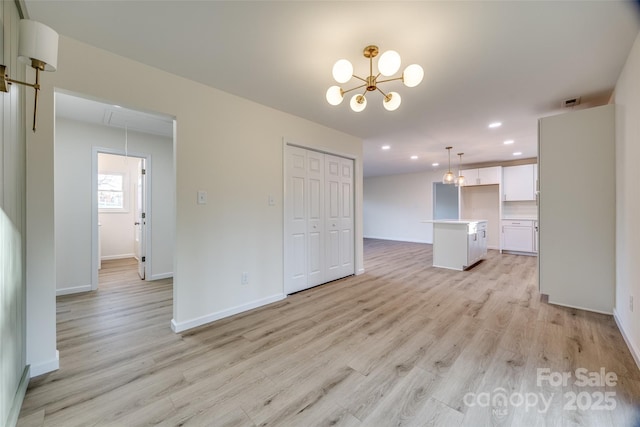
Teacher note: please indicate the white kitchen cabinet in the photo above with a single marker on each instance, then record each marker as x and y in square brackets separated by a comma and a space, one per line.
[518, 183]
[518, 236]
[482, 176]
[458, 244]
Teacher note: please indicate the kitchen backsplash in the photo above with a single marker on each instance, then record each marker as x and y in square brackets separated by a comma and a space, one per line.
[521, 210]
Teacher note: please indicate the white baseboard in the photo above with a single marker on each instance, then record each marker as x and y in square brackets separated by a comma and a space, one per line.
[398, 239]
[579, 308]
[634, 351]
[44, 367]
[360, 271]
[161, 276]
[73, 290]
[202, 320]
[18, 398]
[120, 256]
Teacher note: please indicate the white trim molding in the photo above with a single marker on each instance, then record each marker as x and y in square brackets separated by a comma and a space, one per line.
[634, 351]
[73, 290]
[202, 320]
[16, 405]
[44, 367]
[160, 276]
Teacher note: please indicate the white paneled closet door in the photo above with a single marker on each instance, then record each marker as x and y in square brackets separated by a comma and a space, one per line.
[315, 218]
[339, 217]
[319, 221]
[295, 256]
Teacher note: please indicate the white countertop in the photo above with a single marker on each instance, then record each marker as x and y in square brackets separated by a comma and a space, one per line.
[520, 218]
[455, 221]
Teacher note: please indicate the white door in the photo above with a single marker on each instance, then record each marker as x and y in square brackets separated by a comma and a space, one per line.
[347, 244]
[141, 220]
[315, 218]
[296, 220]
[332, 216]
[319, 223]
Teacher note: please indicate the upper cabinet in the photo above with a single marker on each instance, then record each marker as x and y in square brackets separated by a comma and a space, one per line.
[519, 182]
[482, 176]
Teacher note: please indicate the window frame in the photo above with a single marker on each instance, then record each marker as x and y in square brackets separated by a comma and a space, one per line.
[125, 193]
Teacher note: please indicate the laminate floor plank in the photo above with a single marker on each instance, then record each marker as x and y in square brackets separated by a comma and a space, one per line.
[402, 344]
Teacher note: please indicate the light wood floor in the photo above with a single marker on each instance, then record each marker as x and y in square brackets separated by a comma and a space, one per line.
[401, 344]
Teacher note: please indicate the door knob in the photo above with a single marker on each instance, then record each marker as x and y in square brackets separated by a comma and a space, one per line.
[136, 223]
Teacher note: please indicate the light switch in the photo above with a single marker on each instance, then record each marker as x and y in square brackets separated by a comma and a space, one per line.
[202, 197]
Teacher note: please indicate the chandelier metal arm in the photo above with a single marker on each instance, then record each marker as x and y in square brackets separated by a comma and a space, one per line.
[360, 78]
[353, 88]
[383, 94]
[390, 80]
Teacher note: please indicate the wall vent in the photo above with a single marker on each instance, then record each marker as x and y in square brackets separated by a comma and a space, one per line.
[571, 102]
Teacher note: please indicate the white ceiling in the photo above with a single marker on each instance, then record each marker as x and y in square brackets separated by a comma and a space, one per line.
[90, 111]
[484, 61]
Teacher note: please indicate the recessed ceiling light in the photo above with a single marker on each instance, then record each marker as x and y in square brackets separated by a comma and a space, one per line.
[414, 157]
[386, 147]
[508, 141]
[495, 125]
[117, 106]
[518, 153]
[435, 164]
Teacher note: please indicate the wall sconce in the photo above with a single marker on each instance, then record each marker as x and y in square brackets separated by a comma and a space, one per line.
[39, 44]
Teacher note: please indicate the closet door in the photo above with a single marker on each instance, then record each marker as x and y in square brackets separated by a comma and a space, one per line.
[319, 221]
[333, 214]
[295, 256]
[347, 222]
[315, 218]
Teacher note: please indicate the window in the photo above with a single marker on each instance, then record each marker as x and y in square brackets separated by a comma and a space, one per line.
[111, 192]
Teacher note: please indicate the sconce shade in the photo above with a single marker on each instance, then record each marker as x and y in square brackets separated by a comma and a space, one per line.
[39, 42]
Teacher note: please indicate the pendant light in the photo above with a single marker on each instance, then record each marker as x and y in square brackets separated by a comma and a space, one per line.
[460, 181]
[449, 177]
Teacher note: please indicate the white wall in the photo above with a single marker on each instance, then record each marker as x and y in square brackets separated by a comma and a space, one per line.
[627, 100]
[483, 202]
[228, 146]
[117, 228]
[395, 205]
[74, 142]
[13, 326]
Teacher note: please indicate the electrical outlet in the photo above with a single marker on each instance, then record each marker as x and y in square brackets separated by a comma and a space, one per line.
[631, 303]
[202, 197]
[244, 279]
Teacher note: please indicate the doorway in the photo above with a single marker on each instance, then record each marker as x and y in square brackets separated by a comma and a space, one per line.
[84, 127]
[121, 190]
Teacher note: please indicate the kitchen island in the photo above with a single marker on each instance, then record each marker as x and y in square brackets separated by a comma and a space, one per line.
[458, 244]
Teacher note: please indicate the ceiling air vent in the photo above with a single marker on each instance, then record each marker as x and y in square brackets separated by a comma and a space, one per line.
[571, 102]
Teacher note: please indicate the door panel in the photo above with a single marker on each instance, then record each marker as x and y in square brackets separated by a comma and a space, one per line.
[314, 274]
[299, 244]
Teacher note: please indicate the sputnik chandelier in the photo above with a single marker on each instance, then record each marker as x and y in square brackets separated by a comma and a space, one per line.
[388, 65]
